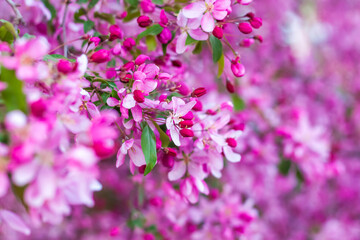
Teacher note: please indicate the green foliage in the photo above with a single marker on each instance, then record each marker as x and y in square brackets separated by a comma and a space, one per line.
[189, 40]
[216, 46]
[148, 145]
[7, 32]
[51, 8]
[165, 140]
[153, 30]
[238, 102]
[13, 96]
[92, 3]
[221, 65]
[88, 25]
[105, 16]
[150, 42]
[56, 57]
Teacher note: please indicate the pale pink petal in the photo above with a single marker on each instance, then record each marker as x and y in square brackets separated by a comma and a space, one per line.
[138, 85]
[151, 71]
[194, 10]
[112, 102]
[198, 34]
[184, 109]
[178, 171]
[230, 155]
[220, 15]
[139, 75]
[136, 155]
[129, 101]
[181, 19]
[93, 110]
[120, 158]
[25, 173]
[180, 43]
[14, 221]
[196, 170]
[220, 5]
[207, 22]
[137, 113]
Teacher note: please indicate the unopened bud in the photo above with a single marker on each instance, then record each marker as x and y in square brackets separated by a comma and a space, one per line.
[186, 123]
[139, 96]
[100, 56]
[144, 21]
[198, 92]
[115, 32]
[185, 132]
[231, 142]
[64, 66]
[245, 28]
[230, 87]
[218, 32]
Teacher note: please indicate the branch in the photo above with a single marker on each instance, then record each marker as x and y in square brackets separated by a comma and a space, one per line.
[18, 17]
[67, 2]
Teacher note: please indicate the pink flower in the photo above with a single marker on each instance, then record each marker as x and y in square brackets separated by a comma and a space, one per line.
[179, 108]
[133, 148]
[209, 11]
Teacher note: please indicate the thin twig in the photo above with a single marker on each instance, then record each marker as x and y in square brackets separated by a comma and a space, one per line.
[18, 17]
[63, 27]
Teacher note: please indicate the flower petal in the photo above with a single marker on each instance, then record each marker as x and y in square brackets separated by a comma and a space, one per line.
[207, 22]
[194, 10]
[178, 171]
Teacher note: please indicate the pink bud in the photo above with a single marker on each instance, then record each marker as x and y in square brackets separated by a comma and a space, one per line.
[147, 6]
[144, 21]
[182, 88]
[237, 68]
[245, 27]
[176, 63]
[171, 152]
[256, 22]
[163, 18]
[247, 42]
[115, 32]
[139, 96]
[38, 108]
[185, 132]
[104, 149]
[64, 66]
[95, 40]
[125, 77]
[122, 15]
[128, 66]
[116, 50]
[218, 32]
[231, 142]
[230, 87]
[165, 36]
[188, 116]
[142, 169]
[186, 123]
[141, 59]
[240, 126]
[198, 106]
[110, 73]
[129, 43]
[100, 56]
[168, 161]
[198, 92]
[259, 38]
[250, 15]
[211, 112]
[162, 97]
[156, 201]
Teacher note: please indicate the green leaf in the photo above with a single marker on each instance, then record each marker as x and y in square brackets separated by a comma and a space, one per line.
[112, 85]
[158, 2]
[56, 57]
[13, 96]
[216, 48]
[28, 36]
[105, 16]
[51, 8]
[88, 25]
[165, 140]
[284, 167]
[92, 3]
[238, 102]
[150, 43]
[131, 14]
[189, 40]
[7, 32]
[198, 48]
[81, 1]
[221, 65]
[78, 14]
[114, 94]
[148, 145]
[133, 3]
[153, 30]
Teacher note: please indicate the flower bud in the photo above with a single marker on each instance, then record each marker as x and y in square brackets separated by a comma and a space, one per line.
[185, 132]
[247, 42]
[218, 32]
[129, 43]
[256, 22]
[110, 73]
[170, 151]
[182, 88]
[186, 124]
[165, 36]
[168, 161]
[122, 15]
[162, 97]
[38, 108]
[198, 106]
[64, 66]
[95, 40]
[128, 66]
[163, 18]
[125, 77]
[250, 15]
[147, 6]
[142, 169]
[259, 38]
[237, 68]
[139, 96]
[144, 21]
[231, 142]
[141, 59]
[115, 32]
[245, 28]
[188, 116]
[240, 126]
[198, 92]
[100, 56]
[176, 63]
[230, 87]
